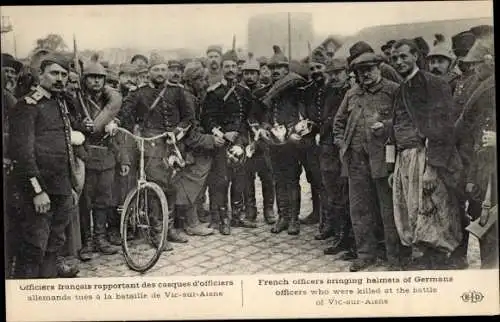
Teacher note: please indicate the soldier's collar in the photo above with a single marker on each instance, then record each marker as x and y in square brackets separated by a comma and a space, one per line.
[43, 92]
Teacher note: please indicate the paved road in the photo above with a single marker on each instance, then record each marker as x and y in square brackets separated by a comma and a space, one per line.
[244, 252]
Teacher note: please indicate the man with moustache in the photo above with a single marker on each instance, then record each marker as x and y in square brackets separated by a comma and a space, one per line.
[428, 169]
[225, 114]
[191, 181]
[313, 99]
[361, 128]
[214, 54]
[42, 130]
[476, 134]
[282, 102]
[260, 161]
[127, 78]
[175, 69]
[10, 69]
[152, 110]
[336, 221]
[441, 60]
[103, 154]
[265, 72]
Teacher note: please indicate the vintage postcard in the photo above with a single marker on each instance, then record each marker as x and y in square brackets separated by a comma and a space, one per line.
[227, 161]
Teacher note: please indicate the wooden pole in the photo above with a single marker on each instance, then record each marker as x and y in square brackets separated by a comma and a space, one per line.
[289, 37]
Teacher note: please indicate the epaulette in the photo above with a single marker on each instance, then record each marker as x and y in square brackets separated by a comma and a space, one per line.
[214, 87]
[34, 97]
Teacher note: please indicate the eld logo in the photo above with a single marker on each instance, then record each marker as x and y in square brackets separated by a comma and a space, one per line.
[472, 297]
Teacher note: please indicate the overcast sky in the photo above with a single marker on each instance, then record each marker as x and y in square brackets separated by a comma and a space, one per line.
[173, 26]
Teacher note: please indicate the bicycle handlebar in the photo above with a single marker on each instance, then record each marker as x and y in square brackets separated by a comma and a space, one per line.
[140, 138]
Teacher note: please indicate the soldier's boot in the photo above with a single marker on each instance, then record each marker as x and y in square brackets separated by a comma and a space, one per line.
[202, 213]
[28, 261]
[173, 234]
[192, 225]
[282, 199]
[65, 269]
[86, 253]
[214, 219]
[224, 221]
[242, 220]
[294, 226]
[114, 236]
[180, 220]
[314, 216]
[48, 268]
[326, 228]
[250, 202]
[235, 214]
[101, 242]
[268, 196]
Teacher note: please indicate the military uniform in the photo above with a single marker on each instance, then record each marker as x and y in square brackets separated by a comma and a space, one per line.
[362, 150]
[226, 107]
[260, 163]
[44, 161]
[103, 153]
[170, 111]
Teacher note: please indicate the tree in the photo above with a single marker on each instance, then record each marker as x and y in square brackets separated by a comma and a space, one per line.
[51, 42]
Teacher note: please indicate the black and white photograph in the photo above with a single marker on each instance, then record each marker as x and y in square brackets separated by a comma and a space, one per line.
[248, 139]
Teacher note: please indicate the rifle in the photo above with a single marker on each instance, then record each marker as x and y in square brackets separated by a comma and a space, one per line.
[80, 74]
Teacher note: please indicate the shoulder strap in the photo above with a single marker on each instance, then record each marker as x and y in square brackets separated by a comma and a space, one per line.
[157, 99]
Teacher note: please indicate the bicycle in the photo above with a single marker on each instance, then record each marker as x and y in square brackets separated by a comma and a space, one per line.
[136, 212]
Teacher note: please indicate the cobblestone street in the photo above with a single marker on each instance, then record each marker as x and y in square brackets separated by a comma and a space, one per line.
[244, 252]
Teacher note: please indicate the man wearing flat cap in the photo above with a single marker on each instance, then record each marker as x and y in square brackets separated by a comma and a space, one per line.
[313, 97]
[128, 78]
[476, 133]
[44, 127]
[427, 178]
[361, 47]
[225, 114]
[151, 110]
[214, 54]
[361, 128]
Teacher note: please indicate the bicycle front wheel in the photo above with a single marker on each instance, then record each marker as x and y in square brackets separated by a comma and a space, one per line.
[144, 224]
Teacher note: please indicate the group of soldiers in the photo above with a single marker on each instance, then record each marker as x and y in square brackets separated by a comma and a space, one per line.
[398, 148]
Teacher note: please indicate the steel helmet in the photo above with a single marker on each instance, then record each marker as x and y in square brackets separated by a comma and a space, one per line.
[94, 69]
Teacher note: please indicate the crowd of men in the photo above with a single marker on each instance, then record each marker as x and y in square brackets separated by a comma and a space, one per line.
[398, 148]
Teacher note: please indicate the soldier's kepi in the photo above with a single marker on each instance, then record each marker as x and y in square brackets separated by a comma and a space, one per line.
[153, 109]
[43, 129]
[225, 114]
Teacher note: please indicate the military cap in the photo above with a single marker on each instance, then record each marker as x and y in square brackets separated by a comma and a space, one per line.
[482, 31]
[442, 47]
[336, 64]
[230, 55]
[387, 45]
[175, 63]
[141, 70]
[9, 61]
[157, 60]
[57, 58]
[193, 70]
[94, 69]
[422, 45]
[358, 49]
[138, 56]
[251, 64]
[462, 43]
[262, 61]
[278, 59]
[112, 75]
[366, 59]
[217, 49]
[318, 57]
[480, 51]
[127, 69]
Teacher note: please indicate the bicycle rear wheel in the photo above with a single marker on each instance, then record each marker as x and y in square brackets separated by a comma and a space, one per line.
[143, 226]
